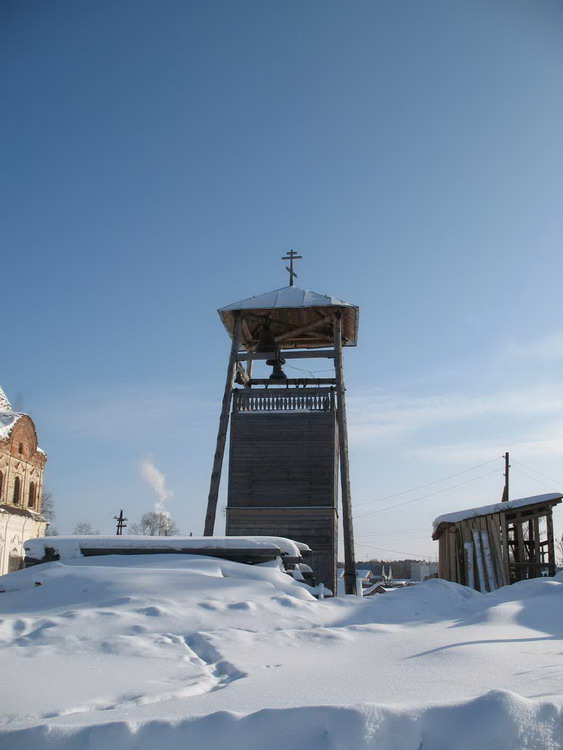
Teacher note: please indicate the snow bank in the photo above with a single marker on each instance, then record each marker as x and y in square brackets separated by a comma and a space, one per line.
[185, 651]
[499, 720]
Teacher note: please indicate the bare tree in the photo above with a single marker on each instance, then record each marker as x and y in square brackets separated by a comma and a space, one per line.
[48, 506]
[84, 529]
[154, 524]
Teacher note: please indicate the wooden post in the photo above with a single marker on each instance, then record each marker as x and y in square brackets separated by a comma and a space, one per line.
[349, 558]
[222, 432]
[550, 542]
[505, 547]
[505, 496]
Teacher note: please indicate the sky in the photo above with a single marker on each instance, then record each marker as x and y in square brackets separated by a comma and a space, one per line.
[158, 160]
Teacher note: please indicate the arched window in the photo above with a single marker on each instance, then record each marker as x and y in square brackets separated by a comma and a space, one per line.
[17, 491]
[31, 496]
[1, 484]
[20, 448]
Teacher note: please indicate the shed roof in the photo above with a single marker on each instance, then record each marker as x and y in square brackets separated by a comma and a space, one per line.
[290, 309]
[440, 523]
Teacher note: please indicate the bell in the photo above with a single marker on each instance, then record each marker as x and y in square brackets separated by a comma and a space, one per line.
[267, 341]
[277, 372]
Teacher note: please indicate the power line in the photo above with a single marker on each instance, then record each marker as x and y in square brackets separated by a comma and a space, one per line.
[535, 471]
[393, 533]
[422, 497]
[395, 551]
[428, 484]
[535, 479]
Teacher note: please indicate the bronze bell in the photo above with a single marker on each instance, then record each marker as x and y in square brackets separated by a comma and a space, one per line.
[277, 372]
[267, 341]
[266, 344]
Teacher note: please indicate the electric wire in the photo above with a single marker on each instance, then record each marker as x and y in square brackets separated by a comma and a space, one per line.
[422, 497]
[535, 471]
[415, 555]
[428, 484]
[535, 479]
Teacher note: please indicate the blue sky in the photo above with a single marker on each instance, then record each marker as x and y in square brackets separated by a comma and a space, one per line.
[158, 160]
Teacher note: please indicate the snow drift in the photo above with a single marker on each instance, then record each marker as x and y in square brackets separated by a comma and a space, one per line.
[171, 651]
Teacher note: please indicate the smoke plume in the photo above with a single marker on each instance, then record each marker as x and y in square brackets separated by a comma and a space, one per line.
[157, 482]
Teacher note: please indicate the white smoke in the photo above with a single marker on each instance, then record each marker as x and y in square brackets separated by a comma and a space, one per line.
[157, 482]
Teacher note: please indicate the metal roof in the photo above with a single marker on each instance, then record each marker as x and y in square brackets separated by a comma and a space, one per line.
[291, 309]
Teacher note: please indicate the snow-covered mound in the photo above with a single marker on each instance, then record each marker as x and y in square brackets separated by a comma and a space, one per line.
[174, 651]
[68, 547]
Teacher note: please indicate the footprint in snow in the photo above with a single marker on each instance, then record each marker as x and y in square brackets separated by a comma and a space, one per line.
[285, 601]
[149, 611]
[138, 629]
[241, 605]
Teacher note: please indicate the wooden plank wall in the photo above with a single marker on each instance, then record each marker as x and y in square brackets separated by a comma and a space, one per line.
[283, 472]
[287, 459]
[317, 527]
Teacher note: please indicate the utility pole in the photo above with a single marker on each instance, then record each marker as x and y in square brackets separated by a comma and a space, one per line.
[506, 470]
[120, 523]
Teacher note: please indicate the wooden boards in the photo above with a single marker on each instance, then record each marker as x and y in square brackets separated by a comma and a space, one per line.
[496, 549]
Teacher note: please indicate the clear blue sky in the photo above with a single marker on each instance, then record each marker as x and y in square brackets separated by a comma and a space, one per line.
[158, 159]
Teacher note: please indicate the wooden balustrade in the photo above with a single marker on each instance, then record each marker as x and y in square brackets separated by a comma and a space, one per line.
[295, 399]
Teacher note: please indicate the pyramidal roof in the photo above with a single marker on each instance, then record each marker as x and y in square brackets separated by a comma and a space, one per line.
[297, 317]
[287, 297]
[5, 405]
[8, 417]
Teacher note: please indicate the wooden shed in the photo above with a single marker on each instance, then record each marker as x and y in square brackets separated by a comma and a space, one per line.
[495, 545]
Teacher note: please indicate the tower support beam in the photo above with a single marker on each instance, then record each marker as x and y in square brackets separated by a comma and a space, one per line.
[222, 432]
[347, 525]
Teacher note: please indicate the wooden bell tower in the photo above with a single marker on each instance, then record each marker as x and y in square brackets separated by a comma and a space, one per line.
[288, 436]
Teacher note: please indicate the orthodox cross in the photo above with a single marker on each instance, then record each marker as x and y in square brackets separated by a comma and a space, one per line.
[291, 256]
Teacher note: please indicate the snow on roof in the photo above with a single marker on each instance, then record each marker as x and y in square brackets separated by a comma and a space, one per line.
[8, 417]
[5, 405]
[298, 318]
[70, 546]
[287, 296]
[16, 511]
[364, 573]
[7, 421]
[485, 510]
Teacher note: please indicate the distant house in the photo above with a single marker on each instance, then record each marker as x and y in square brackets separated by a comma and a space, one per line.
[379, 588]
[494, 545]
[420, 571]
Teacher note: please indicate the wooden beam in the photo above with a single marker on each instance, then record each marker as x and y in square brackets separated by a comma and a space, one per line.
[247, 334]
[302, 329]
[222, 431]
[242, 374]
[249, 366]
[550, 543]
[309, 354]
[347, 523]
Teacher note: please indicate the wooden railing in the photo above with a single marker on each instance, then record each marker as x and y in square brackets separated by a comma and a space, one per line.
[294, 399]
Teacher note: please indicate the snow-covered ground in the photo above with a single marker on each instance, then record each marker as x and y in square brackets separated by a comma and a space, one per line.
[170, 652]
